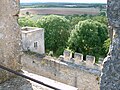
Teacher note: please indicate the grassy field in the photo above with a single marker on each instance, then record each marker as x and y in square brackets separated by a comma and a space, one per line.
[61, 11]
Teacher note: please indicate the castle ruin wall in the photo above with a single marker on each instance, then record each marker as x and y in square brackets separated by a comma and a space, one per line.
[83, 75]
[10, 39]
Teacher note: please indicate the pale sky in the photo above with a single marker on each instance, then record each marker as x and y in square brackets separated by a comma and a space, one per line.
[77, 1]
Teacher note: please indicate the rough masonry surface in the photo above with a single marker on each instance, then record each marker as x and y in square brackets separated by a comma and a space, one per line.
[110, 79]
[78, 75]
[10, 39]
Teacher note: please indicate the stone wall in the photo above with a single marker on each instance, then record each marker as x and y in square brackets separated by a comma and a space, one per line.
[110, 79]
[10, 39]
[81, 74]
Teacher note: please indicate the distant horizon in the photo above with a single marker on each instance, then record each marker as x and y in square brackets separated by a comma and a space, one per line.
[64, 1]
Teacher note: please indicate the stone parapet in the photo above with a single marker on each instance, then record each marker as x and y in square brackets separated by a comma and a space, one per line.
[78, 59]
[77, 75]
[67, 55]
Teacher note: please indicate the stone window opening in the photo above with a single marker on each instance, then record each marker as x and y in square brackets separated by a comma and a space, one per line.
[35, 44]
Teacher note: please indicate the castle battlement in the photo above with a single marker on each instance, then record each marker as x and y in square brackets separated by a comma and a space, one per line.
[72, 71]
[78, 60]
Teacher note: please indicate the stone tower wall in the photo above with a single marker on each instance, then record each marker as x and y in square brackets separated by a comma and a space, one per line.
[10, 39]
[110, 79]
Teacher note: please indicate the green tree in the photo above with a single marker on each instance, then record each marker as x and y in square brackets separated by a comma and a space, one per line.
[75, 20]
[56, 32]
[88, 38]
[26, 21]
[101, 19]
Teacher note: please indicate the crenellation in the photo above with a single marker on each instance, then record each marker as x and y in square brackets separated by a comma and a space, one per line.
[90, 60]
[78, 75]
[78, 57]
[78, 60]
[67, 55]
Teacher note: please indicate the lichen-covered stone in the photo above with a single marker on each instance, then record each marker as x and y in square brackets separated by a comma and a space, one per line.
[10, 39]
[110, 79]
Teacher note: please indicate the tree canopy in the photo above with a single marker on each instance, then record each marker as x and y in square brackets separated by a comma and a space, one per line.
[26, 21]
[88, 38]
[56, 32]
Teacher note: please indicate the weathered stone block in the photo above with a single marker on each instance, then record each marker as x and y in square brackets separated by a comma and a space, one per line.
[78, 57]
[90, 60]
[67, 55]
